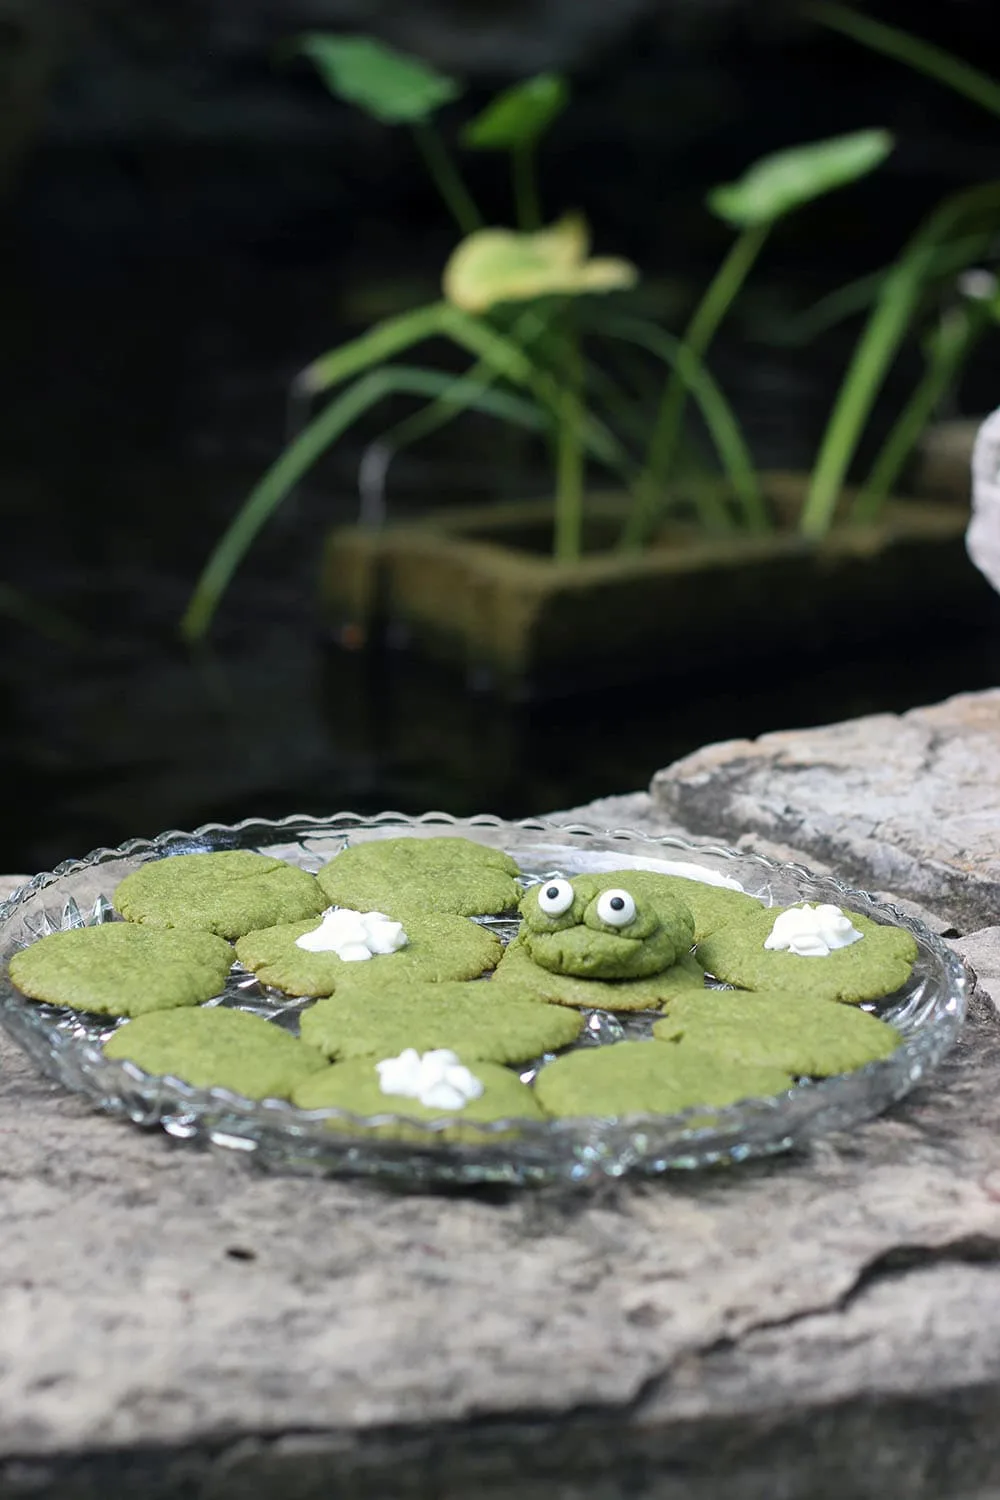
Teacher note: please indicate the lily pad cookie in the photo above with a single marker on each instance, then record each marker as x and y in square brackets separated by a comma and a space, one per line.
[217, 1048]
[812, 1038]
[120, 970]
[407, 875]
[591, 929]
[355, 1086]
[228, 893]
[877, 965]
[517, 972]
[467, 1018]
[438, 948]
[648, 1078]
[711, 906]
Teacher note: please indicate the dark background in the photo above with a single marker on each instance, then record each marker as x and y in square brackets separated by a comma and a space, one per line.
[186, 220]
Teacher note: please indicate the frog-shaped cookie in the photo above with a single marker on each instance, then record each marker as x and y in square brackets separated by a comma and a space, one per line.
[592, 929]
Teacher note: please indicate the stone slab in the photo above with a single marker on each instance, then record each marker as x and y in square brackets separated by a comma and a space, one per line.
[907, 803]
[175, 1324]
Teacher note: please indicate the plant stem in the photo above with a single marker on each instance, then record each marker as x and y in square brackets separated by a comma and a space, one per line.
[568, 540]
[914, 51]
[950, 349]
[721, 291]
[447, 178]
[524, 177]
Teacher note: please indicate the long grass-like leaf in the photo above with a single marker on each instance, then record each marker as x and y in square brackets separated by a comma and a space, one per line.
[727, 437]
[376, 347]
[937, 63]
[324, 430]
[527, 328]
[883, 335]
[515, 365]
[855, 296]
[949, 349]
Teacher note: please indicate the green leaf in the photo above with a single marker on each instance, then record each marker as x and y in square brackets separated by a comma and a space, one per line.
[776, 184]
[389, 85]
[518, 116]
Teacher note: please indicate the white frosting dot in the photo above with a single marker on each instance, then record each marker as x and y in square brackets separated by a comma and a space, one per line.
[437, 1079]
[354, 935]
[812, 931]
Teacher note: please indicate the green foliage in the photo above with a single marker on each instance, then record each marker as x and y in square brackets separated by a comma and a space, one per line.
[388, 85]
[517, 306]
[519, 116]
[784, 181]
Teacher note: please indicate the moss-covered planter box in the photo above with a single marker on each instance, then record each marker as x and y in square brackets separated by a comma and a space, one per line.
[475, 586]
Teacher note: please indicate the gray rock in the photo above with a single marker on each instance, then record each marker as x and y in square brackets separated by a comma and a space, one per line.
[908, 804]
[981, 951]
[176, 1325]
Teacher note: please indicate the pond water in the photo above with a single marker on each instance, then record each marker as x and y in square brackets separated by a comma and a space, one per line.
[140, 406]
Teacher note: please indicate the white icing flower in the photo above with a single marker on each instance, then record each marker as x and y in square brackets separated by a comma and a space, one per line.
[812, 931]
[353, 935]
[437, 1079]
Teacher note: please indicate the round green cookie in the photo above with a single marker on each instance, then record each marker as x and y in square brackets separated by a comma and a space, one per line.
[229, 893]
[812, 1038]
[711, 906]
[439, 948]
[649, 1078]
[407, 875]
[120, 970]
[467, 1018]
[579, 942]
[517, 972]
[355, 1086]
[866, 970]
[217, 1048]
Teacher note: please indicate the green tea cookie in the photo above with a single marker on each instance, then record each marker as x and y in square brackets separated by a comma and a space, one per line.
[407, 875]
[355, 1086]
[119, 970]
[814, 1038]
[649, 1078]
[217, 1048]
[229, 893]
[591, 929]
[517, 972]
[468, 1018]
[877, 965]
[711, 906]
[439, 948]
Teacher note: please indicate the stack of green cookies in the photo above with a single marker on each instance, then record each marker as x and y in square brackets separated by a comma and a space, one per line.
[626, 942]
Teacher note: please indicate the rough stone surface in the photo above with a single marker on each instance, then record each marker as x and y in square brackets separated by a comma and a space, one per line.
[157, 1296]
[907, 803]
[981, 950]
[826, 1324]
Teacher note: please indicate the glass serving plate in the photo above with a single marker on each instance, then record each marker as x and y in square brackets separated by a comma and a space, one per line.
[275, 1134]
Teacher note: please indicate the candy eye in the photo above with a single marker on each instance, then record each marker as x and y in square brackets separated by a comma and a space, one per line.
[555, 897]
[616, 908]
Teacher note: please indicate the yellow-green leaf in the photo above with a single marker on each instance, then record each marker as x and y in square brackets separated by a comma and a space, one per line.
[502, 265]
